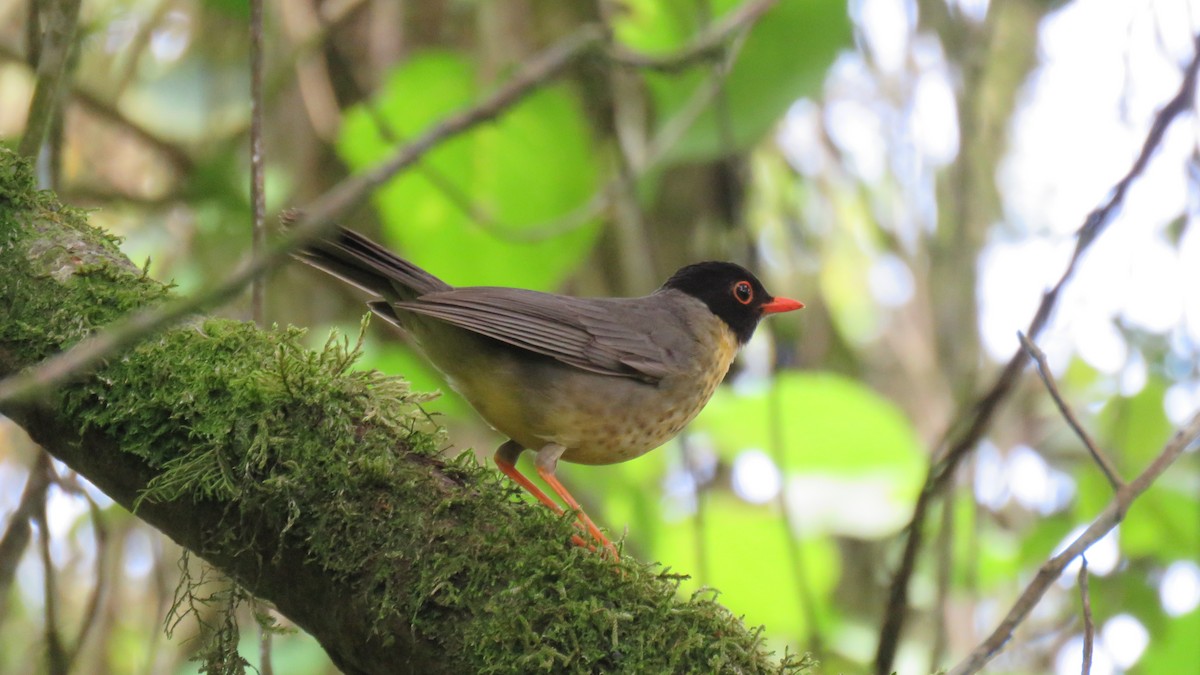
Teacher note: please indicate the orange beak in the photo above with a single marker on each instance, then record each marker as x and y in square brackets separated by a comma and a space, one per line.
[777, 305]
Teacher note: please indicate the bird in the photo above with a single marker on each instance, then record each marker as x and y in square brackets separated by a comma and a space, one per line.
[583, 380]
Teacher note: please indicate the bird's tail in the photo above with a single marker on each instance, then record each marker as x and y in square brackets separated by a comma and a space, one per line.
[357, 260]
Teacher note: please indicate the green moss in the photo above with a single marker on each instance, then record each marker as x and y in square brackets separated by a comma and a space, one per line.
[252, 406]
[16, 181]
[62, 278]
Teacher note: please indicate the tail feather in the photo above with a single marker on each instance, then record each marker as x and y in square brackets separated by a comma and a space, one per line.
[357, 260]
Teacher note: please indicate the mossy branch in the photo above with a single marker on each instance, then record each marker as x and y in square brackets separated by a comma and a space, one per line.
[317, 487]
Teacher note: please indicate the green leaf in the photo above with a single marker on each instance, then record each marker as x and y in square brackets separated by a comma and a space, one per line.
[531, 166]
[784, 58]
[237, 9]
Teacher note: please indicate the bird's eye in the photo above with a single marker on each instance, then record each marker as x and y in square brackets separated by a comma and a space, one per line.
[743, 292]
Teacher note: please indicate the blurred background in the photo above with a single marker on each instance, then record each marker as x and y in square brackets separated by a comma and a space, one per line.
[913, 170]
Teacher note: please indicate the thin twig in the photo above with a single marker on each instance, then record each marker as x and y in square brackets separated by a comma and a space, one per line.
[963, 437]
[1106, 464]
[1053, 568]
[84, 195]
[709, 45]
[1089, 629]
[16, 535]
[944, 552]
[334, 203]
[61, 23]
[56, 653]
[627, 218]
[100, 534]
[258, 205]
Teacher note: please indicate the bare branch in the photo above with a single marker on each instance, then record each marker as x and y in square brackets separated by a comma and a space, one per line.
[1053, 568]
[258, 205]
[972, 424]
[1106, 464]
[628, 224]
[944, 551]
[1089, 630]
[56, 653]
[91, 614]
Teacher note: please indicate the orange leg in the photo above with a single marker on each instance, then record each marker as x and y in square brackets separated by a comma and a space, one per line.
[547, 462]
[506, 460]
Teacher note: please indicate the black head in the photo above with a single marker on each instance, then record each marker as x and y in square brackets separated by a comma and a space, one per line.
[731, 292]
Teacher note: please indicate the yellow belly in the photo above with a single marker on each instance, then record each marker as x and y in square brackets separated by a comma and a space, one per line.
[600, 419]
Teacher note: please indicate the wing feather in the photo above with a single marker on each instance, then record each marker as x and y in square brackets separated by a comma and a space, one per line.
[625, 337]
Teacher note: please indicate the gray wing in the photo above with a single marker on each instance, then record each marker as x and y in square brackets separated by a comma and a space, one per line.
[639, 338]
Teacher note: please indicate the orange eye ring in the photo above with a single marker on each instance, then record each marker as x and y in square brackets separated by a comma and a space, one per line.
[743, 292]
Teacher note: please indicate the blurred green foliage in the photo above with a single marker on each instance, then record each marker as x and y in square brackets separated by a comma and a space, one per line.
[534, 164]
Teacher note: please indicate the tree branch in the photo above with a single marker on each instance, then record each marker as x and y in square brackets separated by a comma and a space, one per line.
[56, 653]
[1102, 460]
[258, 203]
[1085, 606]
[1053, 568]
[16, 535]
[972, 424]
